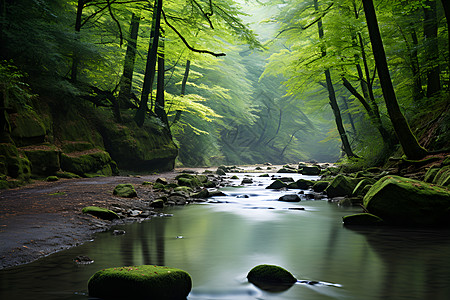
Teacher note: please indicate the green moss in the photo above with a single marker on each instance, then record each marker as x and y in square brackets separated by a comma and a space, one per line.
[268, 277]
[27, 128]
[76, 146]
[312, 170]
[125, 190]
[51, 178]
[234, 177]
[277, 184]
[320, 186]
[44, 159]
[341, 186]
[101, 213]
[67, 175]
[87, 163]
[359, 189]
[140, 282]
[362, 219]
[188, 180]
[405, 201]
[4, 184]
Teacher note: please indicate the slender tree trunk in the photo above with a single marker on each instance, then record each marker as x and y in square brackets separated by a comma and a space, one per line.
[128, 66]
[151, 64]
[185, 77]
[415, 68]
[75, 55]
[159, 103]
[446, 5]
[430, 28]
[409, 143]
[332, 96]
[2, 26]
[349, 115]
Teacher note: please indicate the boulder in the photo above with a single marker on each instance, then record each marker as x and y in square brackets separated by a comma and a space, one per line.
[202, 194]
[158, 203]
[125, 190]
[341, 186]
[140, 282]
[161, 180]
[359, 189]
[44, 159]
[362, 219]
[247, 181]
[312, 170]
[290, 198]
[404, 201]
[99, 212]
[320, 186]
[188, 180]
[287, 170]
[271, 277]
[277, 184]
[94, 161]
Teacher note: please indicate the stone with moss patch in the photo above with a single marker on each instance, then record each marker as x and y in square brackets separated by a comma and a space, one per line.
[188, 180]
[320, 186]
[125, 190]
[44, 159]
[52, 178]
[341, 186]
[100, 212]
[82, 163]
[277, 184]
[405, 201]
[311, 170]
[362, 219]
[359, 189]
[269, 277]
[140, 282]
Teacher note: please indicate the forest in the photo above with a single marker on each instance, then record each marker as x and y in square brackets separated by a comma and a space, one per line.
[141, 84]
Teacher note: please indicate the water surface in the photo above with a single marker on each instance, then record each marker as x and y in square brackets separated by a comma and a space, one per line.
[217, 243]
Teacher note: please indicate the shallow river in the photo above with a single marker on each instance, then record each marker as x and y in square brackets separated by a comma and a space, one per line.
[218, 242]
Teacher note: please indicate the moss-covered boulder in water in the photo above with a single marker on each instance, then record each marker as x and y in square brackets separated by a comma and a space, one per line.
[362, 219]
[405, 201]
[276, 185]
[301, 184]
[188, 180]
[320, 186]
[140, 282]
[125, 190]
[341, 186]
[101, 213]
[271, 277]
[311, 170]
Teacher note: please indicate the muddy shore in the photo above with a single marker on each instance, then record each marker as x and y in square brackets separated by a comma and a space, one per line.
[45, 217]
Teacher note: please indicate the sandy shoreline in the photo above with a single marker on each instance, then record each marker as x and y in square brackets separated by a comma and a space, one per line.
[45, 217]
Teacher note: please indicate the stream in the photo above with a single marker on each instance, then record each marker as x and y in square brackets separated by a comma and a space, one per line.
[218, 242]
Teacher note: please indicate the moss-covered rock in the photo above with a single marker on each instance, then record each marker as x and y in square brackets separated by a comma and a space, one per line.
[188, 180]
[45, 158]
[82, 163]
[362, 219]
[157, 203]
[405, 201]
[276, 185]
[359, 189]
[15, 167]
[27, 128]
[125, 190]
[320, 186]
[341, 186]
[140, 282]
[100, 212]
[52, 178]
[271, 277]
[311, 170]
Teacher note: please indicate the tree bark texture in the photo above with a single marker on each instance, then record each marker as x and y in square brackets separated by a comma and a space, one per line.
[408, 141]
[150, 68]
[128, 66]
[75, 56]
[430, 29]
[159, 103]
[446, 5]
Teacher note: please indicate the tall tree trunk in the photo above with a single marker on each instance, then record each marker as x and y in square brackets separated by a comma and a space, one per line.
[415, 68]
[128, 66]
[332, 96]
[446, 5]
[151, 64]
[159, 103]
[75, 56]
[2, 26]
[430, 29]
[409, 143]
[349, 115]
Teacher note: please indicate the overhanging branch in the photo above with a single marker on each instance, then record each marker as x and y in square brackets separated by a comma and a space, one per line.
[186, 43]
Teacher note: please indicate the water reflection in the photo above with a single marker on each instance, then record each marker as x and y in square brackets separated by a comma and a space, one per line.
[218, 243]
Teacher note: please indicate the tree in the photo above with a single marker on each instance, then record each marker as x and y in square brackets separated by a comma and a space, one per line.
[332, 95]
[409, 143]
[430, 30]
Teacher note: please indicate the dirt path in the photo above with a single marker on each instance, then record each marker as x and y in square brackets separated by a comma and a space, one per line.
[45, 217]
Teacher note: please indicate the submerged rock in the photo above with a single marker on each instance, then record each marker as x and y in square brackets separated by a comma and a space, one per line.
[290, 198]
[312, 170]
[277, 184]
[362, 219]
[405, 201]
[271, 277]
[140, 282]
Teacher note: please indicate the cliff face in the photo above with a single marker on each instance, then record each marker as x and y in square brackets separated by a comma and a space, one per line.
[71, 138]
